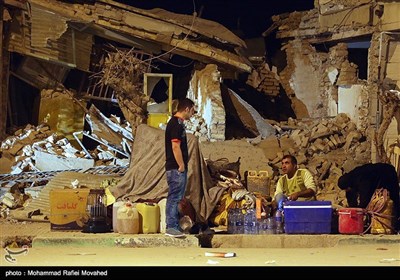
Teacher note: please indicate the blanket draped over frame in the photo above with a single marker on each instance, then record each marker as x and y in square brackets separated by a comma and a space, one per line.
[145, 179]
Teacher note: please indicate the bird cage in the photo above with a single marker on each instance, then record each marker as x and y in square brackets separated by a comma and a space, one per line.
[97, 211]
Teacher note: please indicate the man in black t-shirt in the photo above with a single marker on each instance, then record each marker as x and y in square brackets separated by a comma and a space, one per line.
[176, 164]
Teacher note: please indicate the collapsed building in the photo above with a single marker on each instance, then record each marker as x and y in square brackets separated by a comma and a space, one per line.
[352, 51]
[336, 71]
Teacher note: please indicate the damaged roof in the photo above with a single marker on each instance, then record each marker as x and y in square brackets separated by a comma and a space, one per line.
[337, 21]
[63, 32]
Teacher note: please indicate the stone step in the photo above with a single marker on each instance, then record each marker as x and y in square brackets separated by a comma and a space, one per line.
[116, 240]
[210, 241]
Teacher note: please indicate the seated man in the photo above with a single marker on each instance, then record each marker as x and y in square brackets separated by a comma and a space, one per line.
[361, 183]
[295, 184]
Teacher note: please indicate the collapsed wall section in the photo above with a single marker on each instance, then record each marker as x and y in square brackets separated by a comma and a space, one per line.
[204, 88]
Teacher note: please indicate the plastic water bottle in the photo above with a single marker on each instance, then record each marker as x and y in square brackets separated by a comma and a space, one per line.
[250, 222]
[281, 200]
[239, 221]
[263, 226]
[232, 220]
[279, 222]
[271, 226]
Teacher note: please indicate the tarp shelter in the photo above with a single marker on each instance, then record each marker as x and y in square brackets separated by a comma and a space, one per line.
[145, 179]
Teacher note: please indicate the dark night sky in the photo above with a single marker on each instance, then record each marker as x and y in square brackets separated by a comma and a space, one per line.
[252, 16]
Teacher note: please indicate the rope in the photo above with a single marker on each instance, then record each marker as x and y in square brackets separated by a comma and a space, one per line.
[376, 206]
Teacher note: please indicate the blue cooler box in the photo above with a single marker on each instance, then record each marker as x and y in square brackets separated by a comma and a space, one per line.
[308, 216]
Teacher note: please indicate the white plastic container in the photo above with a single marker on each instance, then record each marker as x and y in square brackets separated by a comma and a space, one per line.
[116, 205]
[163, 223]
[127, 219]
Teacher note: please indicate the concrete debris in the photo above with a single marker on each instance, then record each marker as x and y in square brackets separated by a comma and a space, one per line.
[265, 80]
[52, 162]
[15, 198]
[34, 150]
[34, 213]
[9, 201]
[40, 149]
[261, 127]
[75, 184]
[4, 211]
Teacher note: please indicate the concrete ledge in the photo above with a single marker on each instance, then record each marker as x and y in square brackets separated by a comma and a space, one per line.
[215, 241]
[298, 241]
[370, 239]
[117, 240]
[40, 235]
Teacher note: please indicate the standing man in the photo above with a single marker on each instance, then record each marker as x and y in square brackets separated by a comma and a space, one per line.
[176, 164]
[295, 184]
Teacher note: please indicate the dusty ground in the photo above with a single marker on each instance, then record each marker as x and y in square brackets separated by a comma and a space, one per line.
[343, 255]
[378, 254]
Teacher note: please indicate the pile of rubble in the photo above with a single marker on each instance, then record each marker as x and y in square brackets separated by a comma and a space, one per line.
[40, 149]
[17, 151]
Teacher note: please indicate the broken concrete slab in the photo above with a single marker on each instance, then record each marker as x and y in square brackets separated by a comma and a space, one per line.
[51, 162]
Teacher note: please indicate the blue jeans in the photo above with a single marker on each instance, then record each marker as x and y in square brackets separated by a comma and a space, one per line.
[176, 191]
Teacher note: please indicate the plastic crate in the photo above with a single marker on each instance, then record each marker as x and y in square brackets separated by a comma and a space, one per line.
[309, 217]
[258, 181]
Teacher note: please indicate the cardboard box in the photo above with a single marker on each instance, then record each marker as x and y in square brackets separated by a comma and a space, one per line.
[68, 209]
[307, 217]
